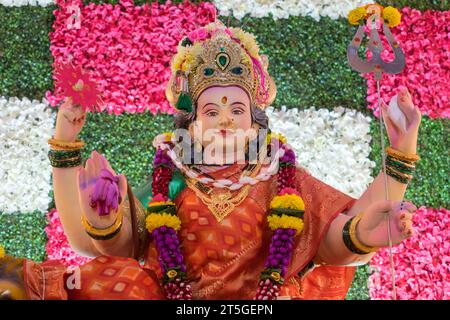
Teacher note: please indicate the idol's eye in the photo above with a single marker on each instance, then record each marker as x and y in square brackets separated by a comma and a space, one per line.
[208, 72]
[237, 70]
[212, 114]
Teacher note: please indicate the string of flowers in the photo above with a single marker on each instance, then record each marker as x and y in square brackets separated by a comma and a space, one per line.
[284, 218]
[162, 223]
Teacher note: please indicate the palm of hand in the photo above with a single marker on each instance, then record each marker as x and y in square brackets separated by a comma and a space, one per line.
[88, 177]
[70, 121]
[372, 229]
[399, 138]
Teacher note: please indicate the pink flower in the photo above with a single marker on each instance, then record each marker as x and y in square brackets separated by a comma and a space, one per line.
[202, 33]
[193, 36]
[158, 198]
[288, 190]
[424, 38]
[58, 247]
[127, 48]
[422, 263]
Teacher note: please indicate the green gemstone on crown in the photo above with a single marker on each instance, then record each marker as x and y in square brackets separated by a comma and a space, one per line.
[222, 60]
[208, 71]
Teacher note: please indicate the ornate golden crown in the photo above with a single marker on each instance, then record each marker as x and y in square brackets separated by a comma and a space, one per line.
[219, 56]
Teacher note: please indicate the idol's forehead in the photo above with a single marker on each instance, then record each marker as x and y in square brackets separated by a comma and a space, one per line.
[216, 93]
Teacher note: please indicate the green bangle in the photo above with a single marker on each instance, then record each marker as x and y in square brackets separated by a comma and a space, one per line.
[400, 166]
[66, 164]
[63, 154]
[348, 241]
[394, 174]
[65, 159]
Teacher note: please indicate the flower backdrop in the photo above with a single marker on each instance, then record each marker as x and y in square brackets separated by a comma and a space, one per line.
[426, 42]
[25, 127]
[421, 260]
[323, 107]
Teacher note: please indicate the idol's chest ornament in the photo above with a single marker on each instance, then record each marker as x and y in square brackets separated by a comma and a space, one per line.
[221, 201]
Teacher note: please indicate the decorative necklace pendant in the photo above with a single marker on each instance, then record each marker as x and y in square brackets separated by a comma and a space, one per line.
[221, 204]
[220, 201]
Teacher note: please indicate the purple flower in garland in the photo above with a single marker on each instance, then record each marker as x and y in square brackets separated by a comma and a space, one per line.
[280, 250]
[161, 158]
[289, 156]
[280, 253]
[172, 264]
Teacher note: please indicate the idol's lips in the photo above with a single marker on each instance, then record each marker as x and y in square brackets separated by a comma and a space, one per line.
[225, 132]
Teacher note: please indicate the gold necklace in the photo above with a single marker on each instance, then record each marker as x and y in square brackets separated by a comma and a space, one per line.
[220, 201]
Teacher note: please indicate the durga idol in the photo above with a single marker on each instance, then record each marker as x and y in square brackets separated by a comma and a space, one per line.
[228, 213]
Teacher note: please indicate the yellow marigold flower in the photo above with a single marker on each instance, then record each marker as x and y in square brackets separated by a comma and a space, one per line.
[356, 15]
[156, 220]
[288, 201]
[246, 59]
[392, 16]
[248, 40]
[278, 136]
[168, 136]
[191, 56]
[2, 252]
[285, 222]
[178, 58]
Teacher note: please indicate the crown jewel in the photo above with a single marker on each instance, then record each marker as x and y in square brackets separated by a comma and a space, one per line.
[218, 56]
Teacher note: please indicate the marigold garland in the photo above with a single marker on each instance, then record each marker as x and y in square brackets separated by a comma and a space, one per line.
[288, 201]
[2, 252]
[156, 220]
[285, 222]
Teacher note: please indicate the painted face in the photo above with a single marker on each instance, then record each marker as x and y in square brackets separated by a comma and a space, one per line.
[224, 114]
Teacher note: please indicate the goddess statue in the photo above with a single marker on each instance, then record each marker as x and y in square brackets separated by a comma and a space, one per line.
[229, 213]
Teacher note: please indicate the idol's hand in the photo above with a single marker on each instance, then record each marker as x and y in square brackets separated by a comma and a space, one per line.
[70, 121]
[101, 191]
[372, 228]
[401, 139]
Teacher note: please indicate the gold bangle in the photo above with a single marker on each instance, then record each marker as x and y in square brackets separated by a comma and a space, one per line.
[65, 145]
[103, 232]
[355, 239]
[401, 155]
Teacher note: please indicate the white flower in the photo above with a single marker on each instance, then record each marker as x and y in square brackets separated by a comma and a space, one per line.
[282, 9]
[25, 127]
[332, 145]
[19, 3]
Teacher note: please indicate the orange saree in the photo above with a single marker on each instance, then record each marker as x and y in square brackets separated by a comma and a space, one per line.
[223, 259]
